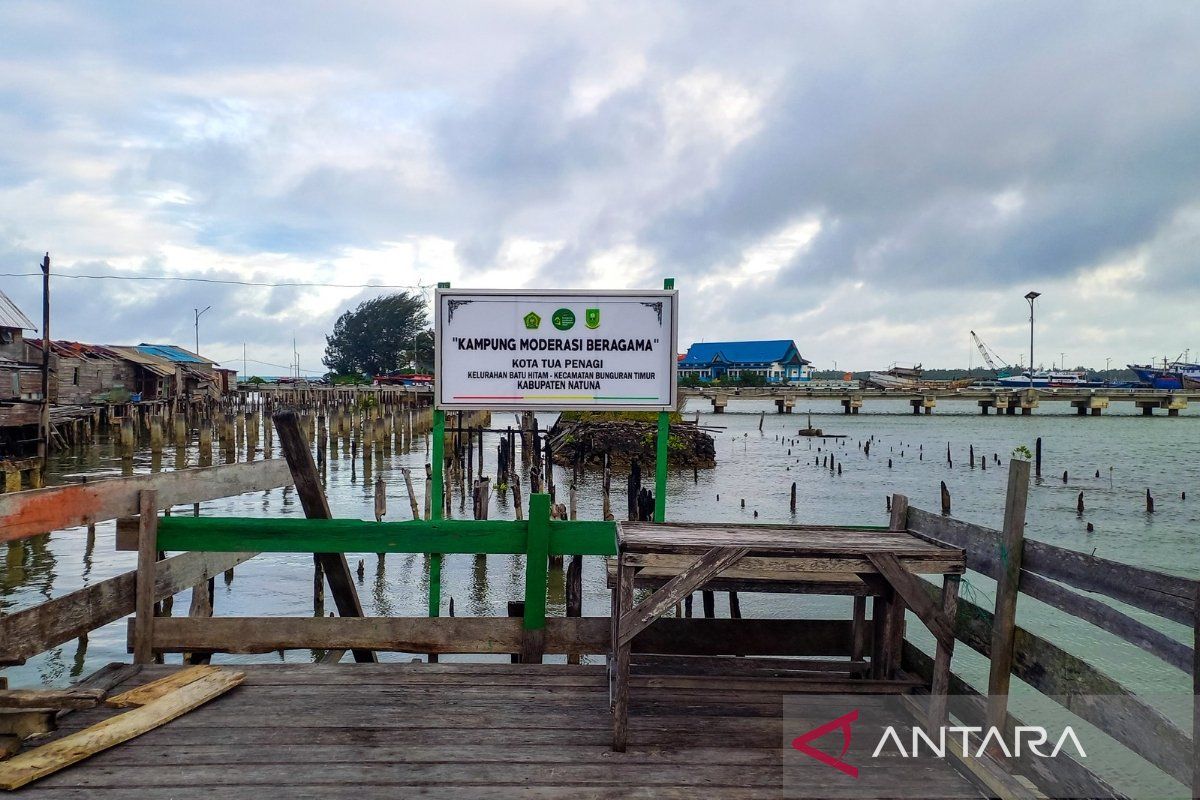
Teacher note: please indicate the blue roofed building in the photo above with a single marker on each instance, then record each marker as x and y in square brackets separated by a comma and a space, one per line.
[775, 361]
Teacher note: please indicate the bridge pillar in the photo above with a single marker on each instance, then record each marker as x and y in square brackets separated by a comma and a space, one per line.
[719, 401]
[1092, 404]
[1028, 401]
[785, 404]
[851, 404]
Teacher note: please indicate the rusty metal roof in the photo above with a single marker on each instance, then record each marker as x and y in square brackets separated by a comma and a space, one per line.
[159, 366]
[12, 317]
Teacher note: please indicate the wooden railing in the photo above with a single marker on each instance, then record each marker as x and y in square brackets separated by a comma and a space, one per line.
[1051, 574]
[536, 538]
[23, 515]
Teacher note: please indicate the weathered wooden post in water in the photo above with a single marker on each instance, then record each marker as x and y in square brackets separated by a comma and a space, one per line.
[312, 499]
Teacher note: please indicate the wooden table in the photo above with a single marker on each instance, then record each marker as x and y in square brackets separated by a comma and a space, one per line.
[862, 561]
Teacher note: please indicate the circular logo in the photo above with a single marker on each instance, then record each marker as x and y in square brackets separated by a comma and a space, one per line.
[563, 319]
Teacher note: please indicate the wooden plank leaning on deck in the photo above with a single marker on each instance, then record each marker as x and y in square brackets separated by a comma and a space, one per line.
[148, 692]
[24, 634]
[49, 758]
[38, 511]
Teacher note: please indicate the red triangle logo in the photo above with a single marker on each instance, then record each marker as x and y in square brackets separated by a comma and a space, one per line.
[842, 723]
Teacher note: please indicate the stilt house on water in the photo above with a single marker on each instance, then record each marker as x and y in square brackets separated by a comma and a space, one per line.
[88, 378]
[20, 381]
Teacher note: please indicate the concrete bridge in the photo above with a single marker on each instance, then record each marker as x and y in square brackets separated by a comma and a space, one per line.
[1091, 401]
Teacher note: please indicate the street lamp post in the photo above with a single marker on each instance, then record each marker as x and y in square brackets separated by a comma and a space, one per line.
[1031, 297]
[199, 313]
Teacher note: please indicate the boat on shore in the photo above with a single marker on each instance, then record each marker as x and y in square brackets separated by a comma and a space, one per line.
[897, 377]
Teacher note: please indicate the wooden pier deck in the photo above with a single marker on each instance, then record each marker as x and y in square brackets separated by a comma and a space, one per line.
[462, 730]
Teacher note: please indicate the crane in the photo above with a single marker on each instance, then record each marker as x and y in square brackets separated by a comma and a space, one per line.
[988, 354]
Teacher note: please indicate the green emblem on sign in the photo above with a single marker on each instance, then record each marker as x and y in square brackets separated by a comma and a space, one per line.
[563, 319]
[591, 318]
[532, 321]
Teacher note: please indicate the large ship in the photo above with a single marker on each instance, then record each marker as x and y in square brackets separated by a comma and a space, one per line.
[1043, 379]
[1172, 375]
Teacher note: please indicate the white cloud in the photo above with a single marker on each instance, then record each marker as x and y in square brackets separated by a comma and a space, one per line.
[873, 182]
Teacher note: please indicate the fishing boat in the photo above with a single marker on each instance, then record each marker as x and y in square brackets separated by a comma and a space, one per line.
[1045, 379]
[1171, 375]
[897, 377]
[1191, 383]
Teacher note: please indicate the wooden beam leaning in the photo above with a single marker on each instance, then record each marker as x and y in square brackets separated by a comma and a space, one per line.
[146, 562]
[911, 591]
[312, 498]
[709, 565]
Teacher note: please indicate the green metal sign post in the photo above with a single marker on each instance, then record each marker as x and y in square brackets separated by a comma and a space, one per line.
[662, 451]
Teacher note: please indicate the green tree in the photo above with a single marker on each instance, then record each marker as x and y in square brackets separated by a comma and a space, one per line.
[377, 337]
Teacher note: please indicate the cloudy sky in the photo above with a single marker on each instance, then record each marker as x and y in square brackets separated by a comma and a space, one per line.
[872, 180]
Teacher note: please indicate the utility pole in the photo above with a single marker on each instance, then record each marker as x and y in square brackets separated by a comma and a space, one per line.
[245, 374]
[44, 417]
[199, 313]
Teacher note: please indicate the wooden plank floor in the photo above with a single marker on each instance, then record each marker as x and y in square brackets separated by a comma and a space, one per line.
[455, 731]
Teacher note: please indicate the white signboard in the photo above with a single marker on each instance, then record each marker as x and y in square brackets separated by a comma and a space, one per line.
[560, 350]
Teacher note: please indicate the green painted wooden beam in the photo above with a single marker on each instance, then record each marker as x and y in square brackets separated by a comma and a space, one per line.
[298, 535]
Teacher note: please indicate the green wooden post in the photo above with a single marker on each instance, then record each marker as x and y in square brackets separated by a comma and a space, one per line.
[661, 454]
[438, 505]
[660, 467]
[537, 551]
